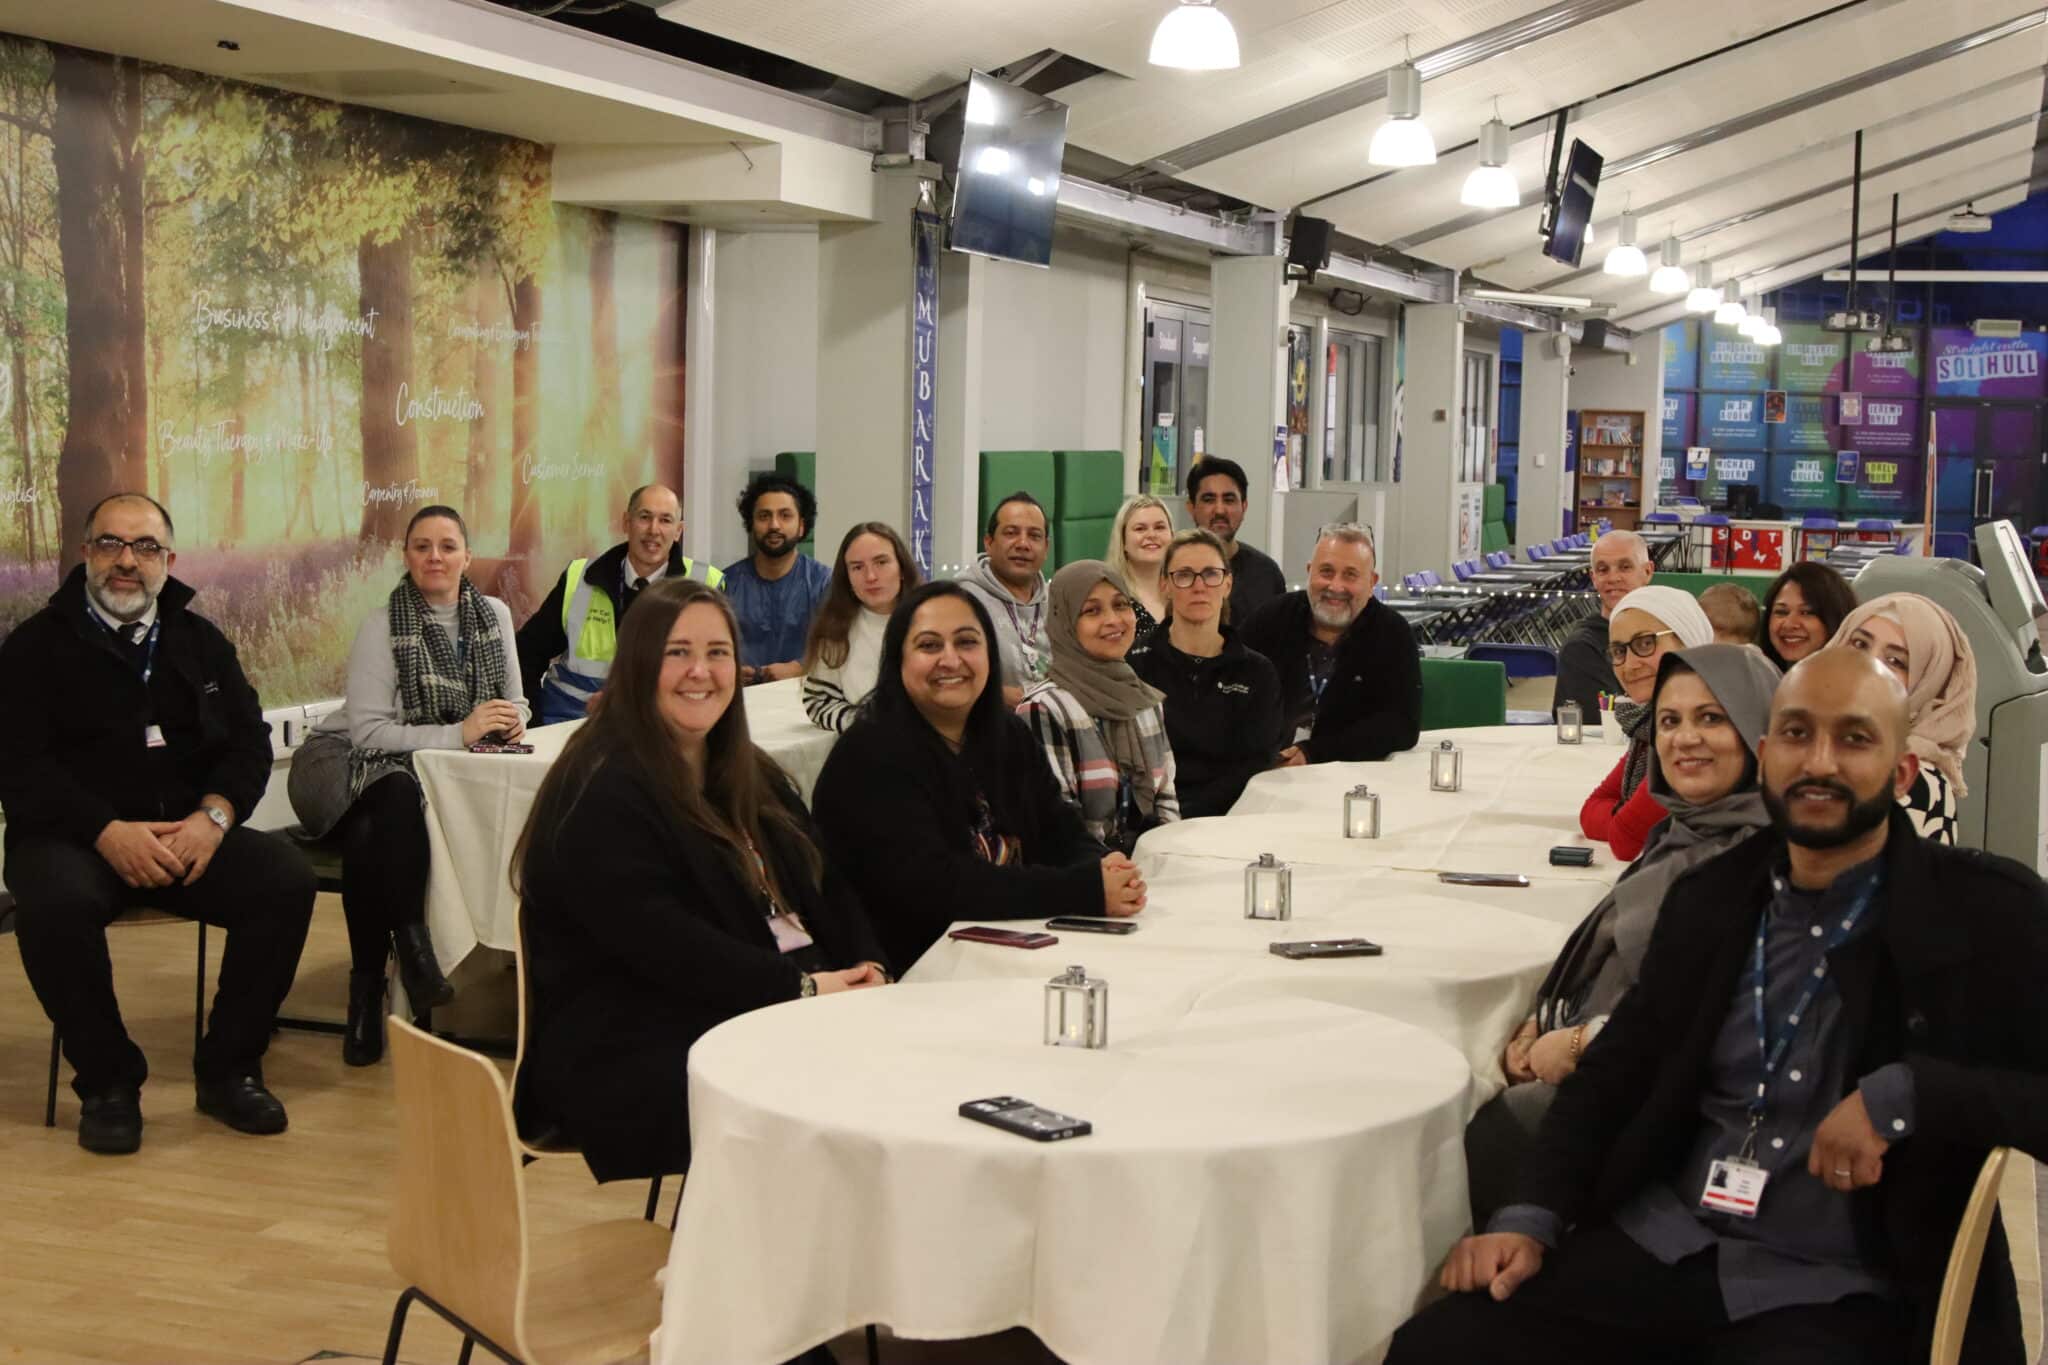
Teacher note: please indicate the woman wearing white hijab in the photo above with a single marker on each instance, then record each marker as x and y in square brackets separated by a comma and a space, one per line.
[1101, 725]
[1647, 624]
[1918, 640]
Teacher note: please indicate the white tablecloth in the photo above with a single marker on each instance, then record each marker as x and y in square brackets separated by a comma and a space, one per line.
[1462, 962]
[1268, 1182]
[477, 805]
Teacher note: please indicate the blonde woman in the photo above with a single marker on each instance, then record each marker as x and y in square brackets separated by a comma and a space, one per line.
[1137, 551]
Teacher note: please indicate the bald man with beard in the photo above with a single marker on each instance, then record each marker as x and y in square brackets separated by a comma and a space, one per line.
[1698, 1193]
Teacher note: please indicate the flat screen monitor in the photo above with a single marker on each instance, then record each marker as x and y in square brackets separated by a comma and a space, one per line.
[1572, 207]
[1007, 185]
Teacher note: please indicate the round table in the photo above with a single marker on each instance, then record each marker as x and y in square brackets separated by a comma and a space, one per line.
[1269, 1179]
[1462, 962]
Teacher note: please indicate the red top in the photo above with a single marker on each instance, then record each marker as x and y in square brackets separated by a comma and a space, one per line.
[1625, 825]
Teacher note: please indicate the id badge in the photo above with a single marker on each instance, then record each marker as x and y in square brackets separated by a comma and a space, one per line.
[153, 736]
[1734, 1186]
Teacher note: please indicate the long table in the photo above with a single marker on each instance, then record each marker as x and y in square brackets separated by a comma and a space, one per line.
[477, 805]
[1277, 1161]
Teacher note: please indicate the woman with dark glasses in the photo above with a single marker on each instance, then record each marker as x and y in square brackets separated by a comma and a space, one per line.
[1224, 714]
[1647, 624]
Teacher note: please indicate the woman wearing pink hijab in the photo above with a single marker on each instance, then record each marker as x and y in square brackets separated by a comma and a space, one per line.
[1920, 641]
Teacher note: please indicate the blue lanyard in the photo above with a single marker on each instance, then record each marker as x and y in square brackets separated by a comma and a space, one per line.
[1772, 1055]
[148, 644]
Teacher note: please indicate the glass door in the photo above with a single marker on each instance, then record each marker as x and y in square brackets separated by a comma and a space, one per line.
[1988, 458]
[1176, 399]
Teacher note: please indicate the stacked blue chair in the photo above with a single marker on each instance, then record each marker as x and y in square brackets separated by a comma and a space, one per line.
[1537, 553]
[1663, 518]
[1429, 578]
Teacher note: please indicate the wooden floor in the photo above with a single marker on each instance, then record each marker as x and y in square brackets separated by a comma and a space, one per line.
[211, 1246]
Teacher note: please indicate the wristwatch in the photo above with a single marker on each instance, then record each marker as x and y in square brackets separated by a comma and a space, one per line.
[218, 816]
[808, 987]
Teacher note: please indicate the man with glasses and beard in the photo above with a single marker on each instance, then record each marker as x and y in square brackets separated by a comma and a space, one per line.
[134, 749]
[1350, 673]
[1765, 1155]
[775, 590]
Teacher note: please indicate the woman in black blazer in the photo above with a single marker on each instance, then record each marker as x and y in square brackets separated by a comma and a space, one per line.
[670, 880]
[939, 804]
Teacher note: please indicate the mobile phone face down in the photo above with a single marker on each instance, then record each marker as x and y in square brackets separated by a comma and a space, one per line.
[1025, 1119]
[1482, 879]
[1089, 924]
[1571, 855]
[1327, 947]
[1004, 938]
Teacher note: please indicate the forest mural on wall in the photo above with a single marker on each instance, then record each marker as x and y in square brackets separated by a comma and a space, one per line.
[292, 322]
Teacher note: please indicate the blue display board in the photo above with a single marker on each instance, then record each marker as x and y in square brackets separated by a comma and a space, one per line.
[1682, 355]
[1679, 410]
[1732, 421]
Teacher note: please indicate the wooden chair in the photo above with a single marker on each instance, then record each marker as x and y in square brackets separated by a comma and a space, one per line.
[1965, 1256]
[459, 1237]
[141, 915]
[548, 1145]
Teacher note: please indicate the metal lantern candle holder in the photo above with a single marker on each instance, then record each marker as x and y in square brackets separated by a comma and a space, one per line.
[1268, 889]
[1076, 1010]
[1446, 768]
[1361, 814]
[1571, 724]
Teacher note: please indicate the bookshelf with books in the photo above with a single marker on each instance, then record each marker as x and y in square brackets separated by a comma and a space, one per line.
[1611, 467]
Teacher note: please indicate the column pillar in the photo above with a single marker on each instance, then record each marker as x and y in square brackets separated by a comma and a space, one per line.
[866, 285]
[1544, 488]
[1432, 440]
[1248, 338]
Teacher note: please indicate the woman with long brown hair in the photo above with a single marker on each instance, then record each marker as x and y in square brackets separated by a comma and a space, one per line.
[670, 879]
[871, 572]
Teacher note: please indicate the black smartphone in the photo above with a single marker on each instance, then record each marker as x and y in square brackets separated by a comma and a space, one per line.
[1327, 947]
[1571, 855]
[1090, 924]
[1482, 879]
[1025, 1119]
[1004, 938]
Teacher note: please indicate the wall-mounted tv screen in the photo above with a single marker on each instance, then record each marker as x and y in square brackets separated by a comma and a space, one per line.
[1571, 208]
[1007, 185]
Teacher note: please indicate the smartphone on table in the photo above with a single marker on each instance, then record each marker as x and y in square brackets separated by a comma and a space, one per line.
[1482, 879]
[1093, 924]
[1025, 1119]
[1004, 938]
[1326, 947]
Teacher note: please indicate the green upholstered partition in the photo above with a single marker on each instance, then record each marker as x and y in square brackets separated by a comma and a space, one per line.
[1003, 472]
[1079, 538]
[1493, 528]
[801, 465]
[1459, 692]
[1088, 483]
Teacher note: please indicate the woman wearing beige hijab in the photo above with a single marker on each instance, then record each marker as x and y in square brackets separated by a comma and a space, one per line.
[1920, 641]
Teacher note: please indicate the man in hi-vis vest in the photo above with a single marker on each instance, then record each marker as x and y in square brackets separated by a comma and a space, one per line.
[566, 647]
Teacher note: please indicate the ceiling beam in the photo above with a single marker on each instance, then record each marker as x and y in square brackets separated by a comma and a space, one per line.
[1817, 192]
[1758, 118]
[1823, 258]
[1547, 22]
[1628, 92]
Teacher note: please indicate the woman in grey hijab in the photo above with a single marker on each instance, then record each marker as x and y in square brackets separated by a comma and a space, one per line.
[1707, 714]
[1101, 725]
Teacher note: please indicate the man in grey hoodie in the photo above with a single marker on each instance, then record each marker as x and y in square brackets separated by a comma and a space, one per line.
[1008, 579]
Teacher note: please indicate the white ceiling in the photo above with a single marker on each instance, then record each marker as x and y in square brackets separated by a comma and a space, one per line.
[1294, 49]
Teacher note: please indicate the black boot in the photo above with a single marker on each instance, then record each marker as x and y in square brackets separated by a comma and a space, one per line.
[418, 972]
[363, 1044]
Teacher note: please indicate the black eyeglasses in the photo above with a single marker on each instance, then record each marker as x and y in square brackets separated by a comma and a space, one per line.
[1211, 577]
[148, 550]
[1642, 646]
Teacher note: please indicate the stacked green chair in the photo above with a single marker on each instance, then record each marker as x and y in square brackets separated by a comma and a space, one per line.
[1493, 527]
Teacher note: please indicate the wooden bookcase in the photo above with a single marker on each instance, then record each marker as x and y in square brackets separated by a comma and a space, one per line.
[1610, 467]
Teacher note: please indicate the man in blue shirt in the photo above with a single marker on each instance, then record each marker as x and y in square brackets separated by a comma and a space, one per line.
[1765, 1155]
[775, 590]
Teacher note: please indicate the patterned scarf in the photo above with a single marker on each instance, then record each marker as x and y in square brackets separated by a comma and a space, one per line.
[440, 681]
[1634, 719]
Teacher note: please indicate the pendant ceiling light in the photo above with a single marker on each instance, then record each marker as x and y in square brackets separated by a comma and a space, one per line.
[1768, 334]
[1491, 184]
[1704, 298]
[1731, 312]
[1625, 257]
[1669, 277]
[1752, 325]
[1195, 36]
[1402, 139]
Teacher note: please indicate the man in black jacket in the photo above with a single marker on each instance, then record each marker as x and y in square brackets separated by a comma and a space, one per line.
[1621, 564]
[1765, 1154]
[134, 748]
[1349, 669]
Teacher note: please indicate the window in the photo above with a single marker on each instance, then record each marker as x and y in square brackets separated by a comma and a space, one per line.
[1351, 409]
[1478, 418]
